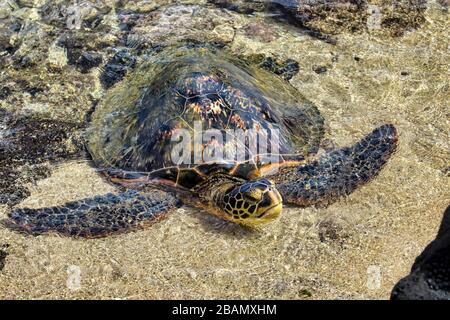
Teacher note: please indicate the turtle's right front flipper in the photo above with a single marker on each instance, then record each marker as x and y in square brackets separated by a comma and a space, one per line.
[337, 173]
[95, 217]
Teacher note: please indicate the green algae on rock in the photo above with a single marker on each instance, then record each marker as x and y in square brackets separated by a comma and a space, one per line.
[334, 17]
[27, 145]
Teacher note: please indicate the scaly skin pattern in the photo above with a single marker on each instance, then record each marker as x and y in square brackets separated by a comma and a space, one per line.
[337, 173]
[430, 275]
[95, 217]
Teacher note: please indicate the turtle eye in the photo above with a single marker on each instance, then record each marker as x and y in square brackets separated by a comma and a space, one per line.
[254, 194]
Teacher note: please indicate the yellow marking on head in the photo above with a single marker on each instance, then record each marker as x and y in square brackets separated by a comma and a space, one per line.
[232, 171]
[199, 173]
[255, 194]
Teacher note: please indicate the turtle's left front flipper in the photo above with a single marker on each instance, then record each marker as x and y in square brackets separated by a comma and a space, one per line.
[339, 172]
[95, 217]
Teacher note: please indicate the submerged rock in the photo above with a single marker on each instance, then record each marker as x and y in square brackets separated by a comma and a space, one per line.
[5, 40]
[168, 25]
[116, 69]
[26, 144]
[337, 16]
[5, 10]
[286, 69]
[88, 60]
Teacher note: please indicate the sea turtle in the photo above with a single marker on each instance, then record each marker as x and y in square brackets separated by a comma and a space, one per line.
[135, 129]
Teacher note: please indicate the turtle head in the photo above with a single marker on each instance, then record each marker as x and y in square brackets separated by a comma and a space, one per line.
[252, 202]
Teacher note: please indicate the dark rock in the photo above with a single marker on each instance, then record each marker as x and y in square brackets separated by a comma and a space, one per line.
[286, 69]
[93, 22]
[116, 68]
[128, 20]
[403, 15]
[26, 142]
[5, 45]
[34, 90]
[289, 69]
[5, 92]
[88, 60]
[83, 48]
[320, 69]
[15, 26]
[54, 14]
[73, 45]
[430, 274]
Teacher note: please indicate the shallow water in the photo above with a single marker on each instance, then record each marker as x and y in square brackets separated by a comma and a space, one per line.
[358, 247]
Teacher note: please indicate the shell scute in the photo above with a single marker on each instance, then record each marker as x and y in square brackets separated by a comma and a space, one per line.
[190, 88]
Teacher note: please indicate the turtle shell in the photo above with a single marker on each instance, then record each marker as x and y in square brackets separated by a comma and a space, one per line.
[190, 89]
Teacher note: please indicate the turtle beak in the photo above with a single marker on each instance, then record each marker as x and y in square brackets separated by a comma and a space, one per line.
[273, 211]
